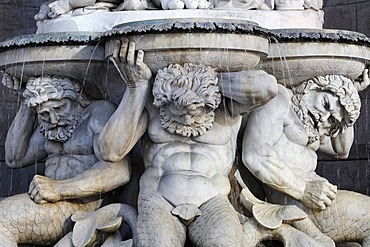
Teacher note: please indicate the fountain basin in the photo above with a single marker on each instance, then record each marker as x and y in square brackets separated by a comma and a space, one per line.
[78, 56]
[298, 55]
[73, 61]
[225, 46]
[58, 53]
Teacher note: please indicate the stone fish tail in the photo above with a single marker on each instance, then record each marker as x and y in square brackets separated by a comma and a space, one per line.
[22, 221]
[347, 219]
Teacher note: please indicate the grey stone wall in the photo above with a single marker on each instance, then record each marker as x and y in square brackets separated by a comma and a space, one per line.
[16, 18]
[350, 15]
[353, 173]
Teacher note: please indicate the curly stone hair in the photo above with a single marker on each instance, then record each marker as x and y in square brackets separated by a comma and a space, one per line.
[185, 85]
[41, 89]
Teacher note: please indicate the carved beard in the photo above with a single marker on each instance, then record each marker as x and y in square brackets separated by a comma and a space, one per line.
[306, 118]
[63, 130]
[174, 125]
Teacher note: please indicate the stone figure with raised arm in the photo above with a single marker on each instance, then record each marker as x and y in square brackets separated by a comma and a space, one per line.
[280, 144]
[58, 124]
[189, 125]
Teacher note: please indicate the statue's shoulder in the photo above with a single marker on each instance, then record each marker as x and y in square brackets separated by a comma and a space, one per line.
[285, 93]
[101, 106]
[99, 112]
[280, 104]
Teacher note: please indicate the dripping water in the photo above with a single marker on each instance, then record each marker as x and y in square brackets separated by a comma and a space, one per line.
[88, 67]
[286, 76]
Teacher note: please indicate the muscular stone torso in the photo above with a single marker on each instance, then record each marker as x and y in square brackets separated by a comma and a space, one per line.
[66, 160]
[292, 145]
[189, 170]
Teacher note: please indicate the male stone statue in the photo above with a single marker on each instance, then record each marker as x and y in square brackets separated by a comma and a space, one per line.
[280, 144]
[56, 123]
[191, 127]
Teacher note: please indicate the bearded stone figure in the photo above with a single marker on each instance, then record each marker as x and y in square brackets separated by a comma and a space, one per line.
[186, 97]
[280, 144]
[188, 126]
[57, 123]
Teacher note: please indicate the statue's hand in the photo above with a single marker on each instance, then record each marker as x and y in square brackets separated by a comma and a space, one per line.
[134, 72]
[11, 82]
[42, 190]
[362, 85]
[319, 194]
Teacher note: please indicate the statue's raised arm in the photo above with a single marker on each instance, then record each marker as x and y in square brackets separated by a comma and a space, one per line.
[129, 121]
[24, 144]
[247, 90]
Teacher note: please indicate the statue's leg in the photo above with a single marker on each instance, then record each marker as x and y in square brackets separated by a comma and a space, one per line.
[23, 221]
[218, 225]
[347, 219]
[156, 225]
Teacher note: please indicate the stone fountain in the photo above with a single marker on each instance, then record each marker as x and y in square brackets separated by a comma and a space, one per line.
[190, 85]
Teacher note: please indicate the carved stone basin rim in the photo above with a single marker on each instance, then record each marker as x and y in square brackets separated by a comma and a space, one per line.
[227, 45]
[297, 55]
[189, 25]
[319, 35]
[76, 55]
[68, 38]
[58, 53]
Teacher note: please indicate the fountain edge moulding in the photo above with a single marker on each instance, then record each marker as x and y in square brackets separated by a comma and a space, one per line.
[292, 54]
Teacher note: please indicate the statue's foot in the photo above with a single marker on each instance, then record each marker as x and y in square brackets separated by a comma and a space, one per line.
[173, 4]
[59, 7]
[43, 14]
